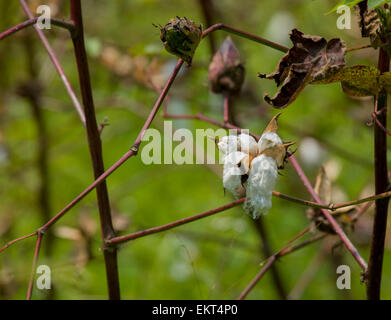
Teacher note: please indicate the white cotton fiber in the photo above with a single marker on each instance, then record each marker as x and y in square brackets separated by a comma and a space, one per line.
[248, 144]
[269, 139]
[228, 144]
[232, 171]
[260, 184]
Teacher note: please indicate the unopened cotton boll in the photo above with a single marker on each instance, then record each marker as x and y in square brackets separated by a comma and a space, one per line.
[260, 184]
[269, 139]
[248, 144]
[228, 144]
[234, 168]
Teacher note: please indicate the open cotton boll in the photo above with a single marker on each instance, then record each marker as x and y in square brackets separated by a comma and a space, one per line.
[248, 144]
[260, 184]
[269, 139]
[228, 144]
[234, 168]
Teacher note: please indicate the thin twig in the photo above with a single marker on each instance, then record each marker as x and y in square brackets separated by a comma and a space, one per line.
[337, 228]
[10, 243]
[226, 107]
[174, 224]
[273, 258]
[381, 126]
[359, 48]
[60, 23]
[244, 34]
[35, 259]
[56, 63]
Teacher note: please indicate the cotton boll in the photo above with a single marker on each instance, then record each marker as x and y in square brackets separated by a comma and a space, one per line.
[248, 144]
[260, 184]
[233, 169]
[228, 144]
[269, 139]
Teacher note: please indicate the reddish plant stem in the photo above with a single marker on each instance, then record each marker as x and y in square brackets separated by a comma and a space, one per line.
[35, 259]
[63, 24]
[359, 48]
[244, 34]
[274, 258]
[56, 63]
[377, 121]
[346, 241]
[10, 243]
[226, 107]
[95, 146]
[174, 224]
[374, 273]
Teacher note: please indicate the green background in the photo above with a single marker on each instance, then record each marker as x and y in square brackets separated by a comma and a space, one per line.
[213, 258]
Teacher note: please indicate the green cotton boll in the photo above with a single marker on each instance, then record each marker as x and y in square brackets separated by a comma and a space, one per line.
[181, 37]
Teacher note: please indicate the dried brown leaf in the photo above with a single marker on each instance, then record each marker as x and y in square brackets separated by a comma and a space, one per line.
[312, 58]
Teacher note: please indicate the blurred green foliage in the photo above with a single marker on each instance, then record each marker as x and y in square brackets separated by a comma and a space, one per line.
[214, 257]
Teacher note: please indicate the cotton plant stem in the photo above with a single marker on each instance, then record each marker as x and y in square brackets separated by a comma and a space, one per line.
[56, 63]
[374, 274]
[337, 228]
[379, 123]
[10, 243]
[359, 48]
[59, 23]
[95, 147]
[35, 259]
[226, 107]
[273, 259]
[174, 224]
[246, 35]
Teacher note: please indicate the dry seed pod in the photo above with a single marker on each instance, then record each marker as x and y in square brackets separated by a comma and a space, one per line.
[226, 72]
[181, 37]
[272, 125]
[278, 153]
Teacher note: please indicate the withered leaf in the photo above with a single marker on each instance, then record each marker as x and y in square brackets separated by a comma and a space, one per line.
[312, 58]
[226, 72]
[323, 186]
[324, 189]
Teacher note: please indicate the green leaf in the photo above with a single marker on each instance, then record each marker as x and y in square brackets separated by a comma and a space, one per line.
[375, 3]
[349, 3]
